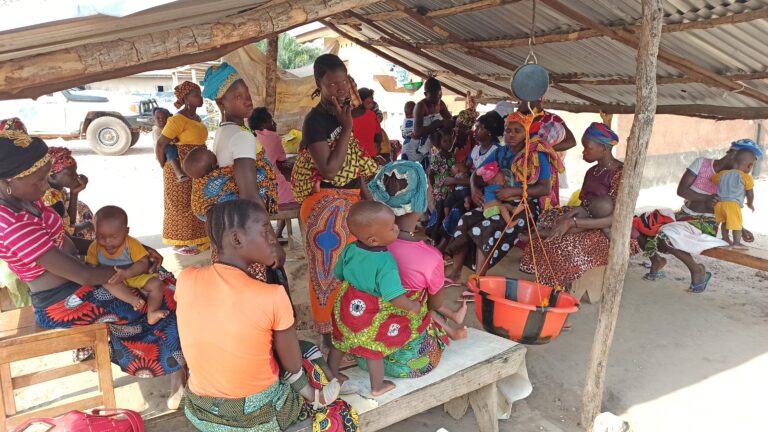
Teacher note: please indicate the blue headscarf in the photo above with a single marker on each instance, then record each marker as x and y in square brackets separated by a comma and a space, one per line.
[601, 134]
[747, 144]
[218, 79]
[411, 199]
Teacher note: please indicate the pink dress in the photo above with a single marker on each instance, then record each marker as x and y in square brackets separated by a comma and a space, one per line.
[273, 147]
[702, 168]
[420, 265]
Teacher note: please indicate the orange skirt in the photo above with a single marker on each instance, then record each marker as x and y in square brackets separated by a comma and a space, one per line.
[324, 217]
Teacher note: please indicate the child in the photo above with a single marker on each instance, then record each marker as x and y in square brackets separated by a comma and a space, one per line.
[493, 180]
[440, 178]
[210, 183]
[113, 247]
[161, 116]
[460, 192]
[410, 144]
[369, 267]
[732, 186]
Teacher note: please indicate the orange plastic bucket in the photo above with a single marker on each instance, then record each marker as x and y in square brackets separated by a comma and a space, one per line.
[511, 308]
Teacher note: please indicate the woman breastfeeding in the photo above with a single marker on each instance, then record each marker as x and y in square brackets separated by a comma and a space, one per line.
[65, 291]
[248, 370]
[327, 179]
[239, 155]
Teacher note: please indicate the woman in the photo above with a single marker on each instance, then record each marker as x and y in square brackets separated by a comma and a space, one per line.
[327, 179]
[65, 291]
[403, 187]
[75, 214]
[237, 149]
[475, 235]
[488, 128]
[365, 125]
[700, 195]
[248, 370]
[430, 114]
[181, 228]
[566, 256]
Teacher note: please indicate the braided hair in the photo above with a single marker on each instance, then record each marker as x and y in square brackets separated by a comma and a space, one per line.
[229, 215]
[324, 64]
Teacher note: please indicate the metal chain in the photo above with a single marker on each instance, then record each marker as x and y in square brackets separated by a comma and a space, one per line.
[532, 36]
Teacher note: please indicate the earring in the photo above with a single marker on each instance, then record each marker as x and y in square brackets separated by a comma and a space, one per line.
[8, 189]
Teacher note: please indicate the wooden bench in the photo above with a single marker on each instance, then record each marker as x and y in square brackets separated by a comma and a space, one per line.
[753, 257]
[21, 339]
[288, 212]
[466, 376]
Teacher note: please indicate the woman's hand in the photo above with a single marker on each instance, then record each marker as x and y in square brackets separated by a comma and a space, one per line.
[560, 228]
[477, 197]
[343, 114]
[80, 187]
[712, 200]
[507, 194]
[155, 260]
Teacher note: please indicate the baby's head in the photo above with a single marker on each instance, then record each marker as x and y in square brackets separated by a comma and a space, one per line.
[459, 169]
[161, 116]
[490, 174]
[600, 207]
[199, 162]
[409, 107]
[241, 229]
[111, 223]
[744, 160]
[373, 223]
[442, 139]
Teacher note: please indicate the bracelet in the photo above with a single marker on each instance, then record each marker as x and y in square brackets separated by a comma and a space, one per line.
[575, 225]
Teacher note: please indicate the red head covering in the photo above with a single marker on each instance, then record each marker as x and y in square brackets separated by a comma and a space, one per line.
[61, 158]
[181, 90]
[488, 171]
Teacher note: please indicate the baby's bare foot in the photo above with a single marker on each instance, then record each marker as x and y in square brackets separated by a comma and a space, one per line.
[155, 316]
[386, 386]
[739, 246]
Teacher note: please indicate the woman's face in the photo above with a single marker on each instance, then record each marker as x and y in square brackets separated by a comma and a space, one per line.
[259, 240]
[481, 133]
[593, 151]
[237, 101]
[33, 186]
[433, 97]
[368, 103]
[67, 178]
[334, 85]
[514, 134]
[194, 99]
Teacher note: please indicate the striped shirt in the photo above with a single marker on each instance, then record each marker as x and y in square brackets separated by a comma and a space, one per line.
[24, 237]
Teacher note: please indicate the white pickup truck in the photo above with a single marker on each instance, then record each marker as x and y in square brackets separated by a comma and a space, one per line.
[111, 122]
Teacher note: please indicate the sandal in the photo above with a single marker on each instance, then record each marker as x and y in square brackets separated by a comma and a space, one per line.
[185, 250]
[654, 276]
[448, 282]
[700, 287]
[330, 394]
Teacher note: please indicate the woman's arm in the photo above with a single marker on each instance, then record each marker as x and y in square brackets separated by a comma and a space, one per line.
[329, 161]
[70, 268]
[80, 244]
[160, 146]
[246, 179]
[684, 190]
[536, 190]
[567, 143]
[581, 224]
[419, 130]
[287, 347]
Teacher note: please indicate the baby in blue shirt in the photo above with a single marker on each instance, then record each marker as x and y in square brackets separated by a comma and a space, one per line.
[493, 180]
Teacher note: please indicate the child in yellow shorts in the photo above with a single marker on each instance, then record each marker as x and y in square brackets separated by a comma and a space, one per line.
[115, 248]
[733, 186]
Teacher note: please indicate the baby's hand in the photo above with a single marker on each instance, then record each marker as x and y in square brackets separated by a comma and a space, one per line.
[751, 206]
[119, 277]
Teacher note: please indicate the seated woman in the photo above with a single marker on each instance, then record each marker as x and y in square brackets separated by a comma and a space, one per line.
[475, 235]
[65, 291]
[403, 187]
[239, 336]
[700, 195]
[65, 187]
[577, 244]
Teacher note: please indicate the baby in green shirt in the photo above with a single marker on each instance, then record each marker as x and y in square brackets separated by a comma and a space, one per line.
[367, 266]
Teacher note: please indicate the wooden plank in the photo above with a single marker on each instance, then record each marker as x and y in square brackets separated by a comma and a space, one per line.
[484, 405]
[17, 318]
[63, 342]
[753, 257]
[52, 374]
[56, 410]
[618, 253]
[6, 388]
[104, 368]
[271, 74]
[444, 12]
[6, 303]
[35, 334]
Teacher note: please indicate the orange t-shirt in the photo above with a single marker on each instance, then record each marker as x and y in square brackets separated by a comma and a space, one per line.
[225, 321]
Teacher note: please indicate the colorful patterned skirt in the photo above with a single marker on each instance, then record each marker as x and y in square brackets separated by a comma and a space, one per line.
[273, 409]
[570, 255]
[704, 223]
[138, 348]
[368, 327]
[180, 225]
[324, 217]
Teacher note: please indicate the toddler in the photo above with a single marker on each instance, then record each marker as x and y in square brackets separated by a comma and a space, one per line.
[410, 144]
[493, 180]
[115, 248]
[161, 116]
[369, 267]
[733, 186]
[210, 183]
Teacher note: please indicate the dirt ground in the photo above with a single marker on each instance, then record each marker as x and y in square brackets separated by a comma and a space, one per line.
[679, 361]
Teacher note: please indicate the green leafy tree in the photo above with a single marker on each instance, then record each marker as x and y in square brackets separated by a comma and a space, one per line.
[291, 54]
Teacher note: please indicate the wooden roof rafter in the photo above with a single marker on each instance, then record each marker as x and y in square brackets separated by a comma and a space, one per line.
[440, 13]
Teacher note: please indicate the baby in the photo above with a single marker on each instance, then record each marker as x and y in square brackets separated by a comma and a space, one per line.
[161, 116]
[369, 267]
[460, 193]
[733, 186]
[493, 180]
[210, 184]
[115, 248]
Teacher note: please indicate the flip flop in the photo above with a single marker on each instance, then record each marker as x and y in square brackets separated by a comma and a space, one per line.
[699, 288]
[186, 250]
[654, 276]
[467, 296]
[447, 282]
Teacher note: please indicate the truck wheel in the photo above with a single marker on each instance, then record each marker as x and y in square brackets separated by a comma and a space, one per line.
[108, 136]
[135, 135]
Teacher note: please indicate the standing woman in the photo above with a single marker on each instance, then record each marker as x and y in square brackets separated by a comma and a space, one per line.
[327, 179]
[430, 114]
[181, 228]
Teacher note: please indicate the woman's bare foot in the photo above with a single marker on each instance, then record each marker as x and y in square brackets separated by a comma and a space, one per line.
[155, 316]
[456, 334]
[386, 386]
[138, 304]
[177, 390]
[658, 262]
[698, 276]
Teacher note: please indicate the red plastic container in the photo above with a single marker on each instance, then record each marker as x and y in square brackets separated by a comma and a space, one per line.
[511, 308]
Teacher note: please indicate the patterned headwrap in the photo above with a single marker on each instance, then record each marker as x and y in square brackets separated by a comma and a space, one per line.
[218, 79]
[20, 154]
[61, 158]
[488, 171]
[412, 198]
[747, 144]
[601, 134]
[466, 118]
[182, 90]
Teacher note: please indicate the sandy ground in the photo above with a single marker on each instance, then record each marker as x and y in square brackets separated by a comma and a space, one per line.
[679, 361]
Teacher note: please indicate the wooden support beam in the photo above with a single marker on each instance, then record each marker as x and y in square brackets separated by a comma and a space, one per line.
[659, 80]
[270, 96]
[618, 253]
[577, 94]
[396, 41]
[685, 66]
[444, 12]
[384, 55]
[57, 70]
[712, 112]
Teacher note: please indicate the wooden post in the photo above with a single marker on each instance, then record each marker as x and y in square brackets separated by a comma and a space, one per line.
[637, 147]
[271, 75]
